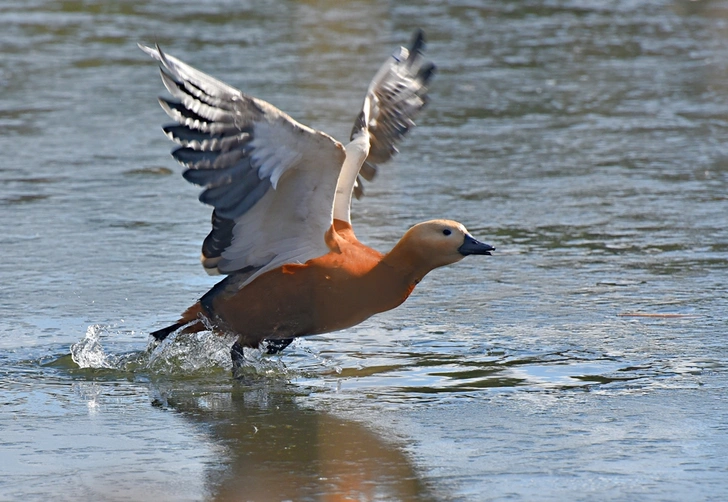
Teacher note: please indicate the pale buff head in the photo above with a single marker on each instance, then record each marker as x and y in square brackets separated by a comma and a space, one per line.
[437, 243]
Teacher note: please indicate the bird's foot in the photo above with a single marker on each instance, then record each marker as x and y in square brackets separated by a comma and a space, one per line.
[275, 346]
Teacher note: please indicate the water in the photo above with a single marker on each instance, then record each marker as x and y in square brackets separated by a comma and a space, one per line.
[585, 360]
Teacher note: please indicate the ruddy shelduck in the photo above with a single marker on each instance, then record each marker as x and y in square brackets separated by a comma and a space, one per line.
[281, 192]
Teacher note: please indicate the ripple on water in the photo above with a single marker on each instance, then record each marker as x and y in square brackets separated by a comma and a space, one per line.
[430, 368]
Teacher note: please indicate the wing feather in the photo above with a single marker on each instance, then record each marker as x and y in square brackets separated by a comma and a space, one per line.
[396, 95]
[270, 179]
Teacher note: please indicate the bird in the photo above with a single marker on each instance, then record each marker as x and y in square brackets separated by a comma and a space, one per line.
[281, 194]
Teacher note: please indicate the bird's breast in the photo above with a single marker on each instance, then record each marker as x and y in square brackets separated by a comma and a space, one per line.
[329, 293]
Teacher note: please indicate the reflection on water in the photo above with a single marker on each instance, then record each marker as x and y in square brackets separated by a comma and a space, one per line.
[277, 450]
[252, 440]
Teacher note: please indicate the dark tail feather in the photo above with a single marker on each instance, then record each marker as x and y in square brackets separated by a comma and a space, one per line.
[163, 333]
[191, 316]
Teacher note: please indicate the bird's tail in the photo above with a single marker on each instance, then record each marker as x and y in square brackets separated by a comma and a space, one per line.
[191, 317]
[163, 333]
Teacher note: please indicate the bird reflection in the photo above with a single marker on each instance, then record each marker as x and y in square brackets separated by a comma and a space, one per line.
[271, 448]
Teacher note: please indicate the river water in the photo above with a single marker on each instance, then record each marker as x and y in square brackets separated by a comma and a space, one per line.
[585, 360]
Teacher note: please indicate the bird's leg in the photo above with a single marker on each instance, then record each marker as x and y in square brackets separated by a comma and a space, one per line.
[237, 354]
[275, 346]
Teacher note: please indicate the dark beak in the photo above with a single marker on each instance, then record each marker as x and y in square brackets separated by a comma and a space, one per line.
[473, 246]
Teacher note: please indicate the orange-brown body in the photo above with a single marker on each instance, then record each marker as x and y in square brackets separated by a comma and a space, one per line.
[335, 291]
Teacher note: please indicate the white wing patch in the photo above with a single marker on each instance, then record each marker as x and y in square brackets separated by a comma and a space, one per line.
[275, 150]
[285, 226]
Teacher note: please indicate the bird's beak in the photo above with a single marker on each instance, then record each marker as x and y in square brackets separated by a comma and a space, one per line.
[474, 246]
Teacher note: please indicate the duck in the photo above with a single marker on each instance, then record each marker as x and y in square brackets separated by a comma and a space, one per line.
[281, 194]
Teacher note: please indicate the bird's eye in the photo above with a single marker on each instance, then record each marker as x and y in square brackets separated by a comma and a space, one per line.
[447, 231]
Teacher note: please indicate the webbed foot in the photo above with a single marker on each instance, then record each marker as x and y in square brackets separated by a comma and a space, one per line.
[275, 346]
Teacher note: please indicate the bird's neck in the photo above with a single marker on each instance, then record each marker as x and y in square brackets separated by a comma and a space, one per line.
[406, 262]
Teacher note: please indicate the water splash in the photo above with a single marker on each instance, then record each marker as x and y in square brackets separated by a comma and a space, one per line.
[189, 353]
[88, 353]
[179, 354]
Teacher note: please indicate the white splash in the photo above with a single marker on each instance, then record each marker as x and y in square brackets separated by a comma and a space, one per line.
[88, 353]
[196, 353]
[189, 353]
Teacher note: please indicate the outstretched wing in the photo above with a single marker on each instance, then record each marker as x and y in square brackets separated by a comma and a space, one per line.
[395, 96]
[270, 179]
